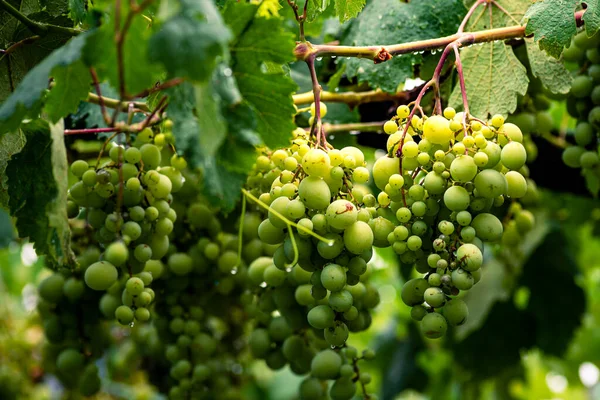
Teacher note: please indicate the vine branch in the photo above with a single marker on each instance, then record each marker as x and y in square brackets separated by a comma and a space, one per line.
[352, 98]
[39, 28]
[299, 17]
[317, 127]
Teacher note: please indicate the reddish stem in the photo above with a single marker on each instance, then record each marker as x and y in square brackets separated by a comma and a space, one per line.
[90, 131]
[99, 93]
[474, 7]
[317, 126]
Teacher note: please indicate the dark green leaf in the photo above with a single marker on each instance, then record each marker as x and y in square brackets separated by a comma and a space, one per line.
[269, 94]
[315, 7]
[37, 186]
[177, 45]
[551, 72]
[26, 102]
[55, 7]
[7, 233]
[591, 17]
[78, 10]
[72, 85]
[552, 22]
[10, 144]
[552, 268]
[392, 21]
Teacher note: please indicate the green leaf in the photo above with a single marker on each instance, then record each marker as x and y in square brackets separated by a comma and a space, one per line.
[268, 94]
[78, 11]
[37, 186]
[210, 119]
[551, 72]
[26, 101]
[101, 52]
[72, 85]
[559, 266]
[494, 77]
[348, 9]
[591, 17]
[592, 182]
[177, 46]
[55, 7]
[10, 144]
[552, 23]
[315, 7]
[392, 21]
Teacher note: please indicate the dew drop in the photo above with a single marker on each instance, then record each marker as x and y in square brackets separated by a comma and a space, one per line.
[131, 325]
[227, 72]
[263, 285]
[234, 271]
[319, 58]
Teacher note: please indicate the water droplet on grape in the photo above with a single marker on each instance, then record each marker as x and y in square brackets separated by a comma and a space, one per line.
[131, 324]
[319, 58]
[234, 271]
[227, 72]
[263, 285]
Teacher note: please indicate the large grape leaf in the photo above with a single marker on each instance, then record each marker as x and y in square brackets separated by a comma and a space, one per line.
[37, 189]
[347, 9]
[268, 93]
[552, 23]
[71, 85]
[493, 77]
[177, 46]
[591, 17]
[551, 72]
[10, 144]
[26, 101]
[392, 21]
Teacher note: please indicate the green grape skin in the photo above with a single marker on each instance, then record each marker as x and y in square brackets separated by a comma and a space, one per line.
[434, 183]
[488, 227]
[462, 279]
[469, 256]
[314, 193]
[116, 254]
[343, 389]
[358, 237]
[326, 364]
[513, 155]
[456, 312]
[79, 167]
[516, 184]
[413, 291]
[571, 156]
[89, 383]
[316, 163]
[142, 252]
[274, 276]
[434, 326]
[588, 160]
[100, 275]
[493, 151]
[142, 314]
[328, 251]
[180, 263]
[51, 288]
[434, 296]
[490, 184]
[383, 169]
[418, 312]
[456, 198]
[279, 329]
[333, 277]
[341, 301]
[259, 342]
[150, 156]
[69, 361]
[341, 214]
[581, 86]
[337, 335]
[73, 289]
[463, 168]
[311, 389]
[321, 317]
[124, 315]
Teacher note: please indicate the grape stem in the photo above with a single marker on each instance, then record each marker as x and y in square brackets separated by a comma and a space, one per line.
[100, 98]
[317, 126]
[329, 242]
[352, 98]
[300, 18]
[356, 126]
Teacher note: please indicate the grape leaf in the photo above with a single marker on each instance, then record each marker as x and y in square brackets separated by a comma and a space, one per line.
[552, 23]
[268, 94]
[591, 17]
[10, 144]
[26, 101]
[314, 8]
[78, 10]
[101, 52]
[177, 47]
[392, 21]
[348, 9]
[72, 85]
[55, 7]
[37, 189]
[493, 77]
[550, 71]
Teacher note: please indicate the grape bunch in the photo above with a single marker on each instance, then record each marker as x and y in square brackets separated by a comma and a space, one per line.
[126, 201]
[583, 103]
[314, 290]
[440, 182]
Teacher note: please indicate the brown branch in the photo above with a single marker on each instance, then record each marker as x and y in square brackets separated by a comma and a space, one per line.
[165, 85]
[114, 103]
[352, 98]
[100, 98]
[18, 44]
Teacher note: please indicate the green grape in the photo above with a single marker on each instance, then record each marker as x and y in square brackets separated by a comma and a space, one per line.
[488, 227]
[341, 301]
[571, 156]
[493, 152]
[456, 312]
[295, 210]
[51, 288]
[311, 389]
[337, 335]
[326, 364]
[163, 227]
[89, 383]
[89, 178]
[343, 389]
[259, 342]
[516, 184]
[101, 275]
[525, 221]
[124, 315]
[180, 263]
[79, 167]
[321, 317]
[132, 230]
[314, 193]
[341, 214]
[316, 163]
[413, 291]
[73, 289]
[116, 254]
[383, 169]
[581, 86]
[150, 156]
[333, 277]
[469, 256]
[142, 252]
[358, 237]
[463, 169]
[274, 276]
[418, 312]
[434, 296]
[456, 198]
[436, 129]
[490, 183]
[108, 305]
[463, 218]
[584, 134]
[468, 234]
[134, 286]
[588, 160]
[69, 361]
[390, 127]
[142, 314]
[462, 279]
[513, 155]
[434, 325]
[434, 183]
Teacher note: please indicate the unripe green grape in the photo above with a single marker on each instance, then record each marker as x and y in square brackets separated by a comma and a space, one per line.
[79, 167]
[358, 237]
[462, 279]
[142, 252]
[497, 120]
[69, 361]
[490, 184]
[403, 111]
[581, 86]
[383, 169]
[434, 325]
[390, 127]
[142, 314]
[336, 335]
[413, 291]
[343, 389]
[418, 312]
[341, 214]
[469, 256]
[100, 275]
[124, 315]
[321, 317]
[513, 155]
[150, 156]
[463, 169]
[434, 296]
[468, 234]
[571, 156]
[259, 342]
[589, 159]
[456, 198]
[341, 301]
[314, 193]
[326, 364]
[333, 277]
[116, 254]
[51, 288]
[311, 388]
[456, 312]
[436, 129]
[516, 184]
[488, 227]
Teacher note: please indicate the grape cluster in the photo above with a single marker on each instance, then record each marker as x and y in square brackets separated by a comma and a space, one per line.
[583, 103]
[440, 182]
[314, 291]
[127, 202]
